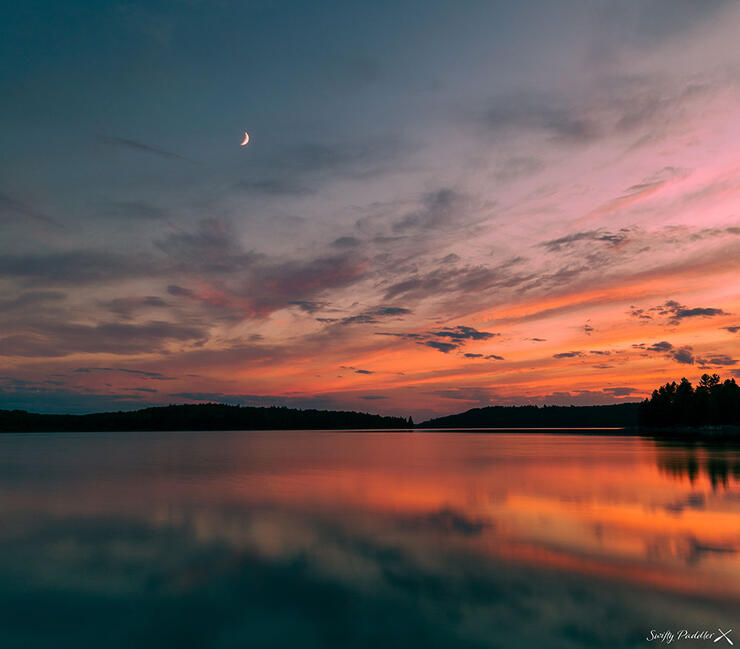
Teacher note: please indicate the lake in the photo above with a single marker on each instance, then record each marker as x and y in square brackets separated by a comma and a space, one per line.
[365, 539]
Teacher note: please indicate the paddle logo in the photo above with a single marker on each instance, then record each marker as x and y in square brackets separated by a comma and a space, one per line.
[725, 635]
[669, 637]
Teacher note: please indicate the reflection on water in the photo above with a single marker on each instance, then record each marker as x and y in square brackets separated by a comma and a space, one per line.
[285, 539]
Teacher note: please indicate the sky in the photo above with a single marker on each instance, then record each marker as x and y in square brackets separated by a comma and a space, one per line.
[442, 206]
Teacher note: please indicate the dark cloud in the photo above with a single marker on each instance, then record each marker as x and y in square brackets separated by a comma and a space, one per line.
[539, 114]
[494, 357]
[480, 396]
[51, 397]
[372, 397]
[438, 210]
[155, 376]
[180, 291]
[212, 247]
[55, 339]
[299, 170]
[31, 299]
[620, 392]
[717, 360]
[459, 281]
[439, 346]
[733, 330]
[10, 205]
[125, 307]
[676, 312]
[134, 210]
[345, 242]
[142, 147]
[452, 337]
[307, 306]
[448, 521]
[370, 316]
[641, 314]
[590, 236]
[682, 355]
[78, 267]
[245, 284]
[460, 333]
[588, 329]
[576, 354]
[473, 355]
[364, 372]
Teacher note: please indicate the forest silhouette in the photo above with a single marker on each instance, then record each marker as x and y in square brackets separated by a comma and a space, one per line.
[673, 406]
[712, 403]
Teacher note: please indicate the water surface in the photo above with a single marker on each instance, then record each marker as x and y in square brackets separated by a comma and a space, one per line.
[375, 539]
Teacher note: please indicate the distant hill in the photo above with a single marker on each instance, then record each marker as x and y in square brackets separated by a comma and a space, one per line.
[618, 415]
[211, 416]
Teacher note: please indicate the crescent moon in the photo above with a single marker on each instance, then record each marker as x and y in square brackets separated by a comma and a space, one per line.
[246, 139]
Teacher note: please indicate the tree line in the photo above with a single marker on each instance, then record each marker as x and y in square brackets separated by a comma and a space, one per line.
[208, 416]
[712, 402]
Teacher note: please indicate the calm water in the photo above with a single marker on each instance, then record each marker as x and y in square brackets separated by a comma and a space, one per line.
[321, 539]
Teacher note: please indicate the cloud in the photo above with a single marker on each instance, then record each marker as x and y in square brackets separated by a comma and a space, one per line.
[508, 116]
[733, 329]
[155, 376]
[370, 316]
[601, 236]
[345, 242]
[36, 397]
[364, 372]
[246, 284]
[620, 392]
[74, 267]
[372, 397]
[308, 306]
[676, 312]
[445, 348]
[31, 298]
[485, 357]
[134, 210]
[460, 333]
[438, 210]
[125, 307]
[300, 169]
[55, 339]
[452, 337]
[576, 354]
[717, 360]
[682, 355]
[11, 205]
[142, 147]
[448, 521]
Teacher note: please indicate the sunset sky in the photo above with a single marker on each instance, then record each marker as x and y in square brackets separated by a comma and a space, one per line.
[443, 205]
